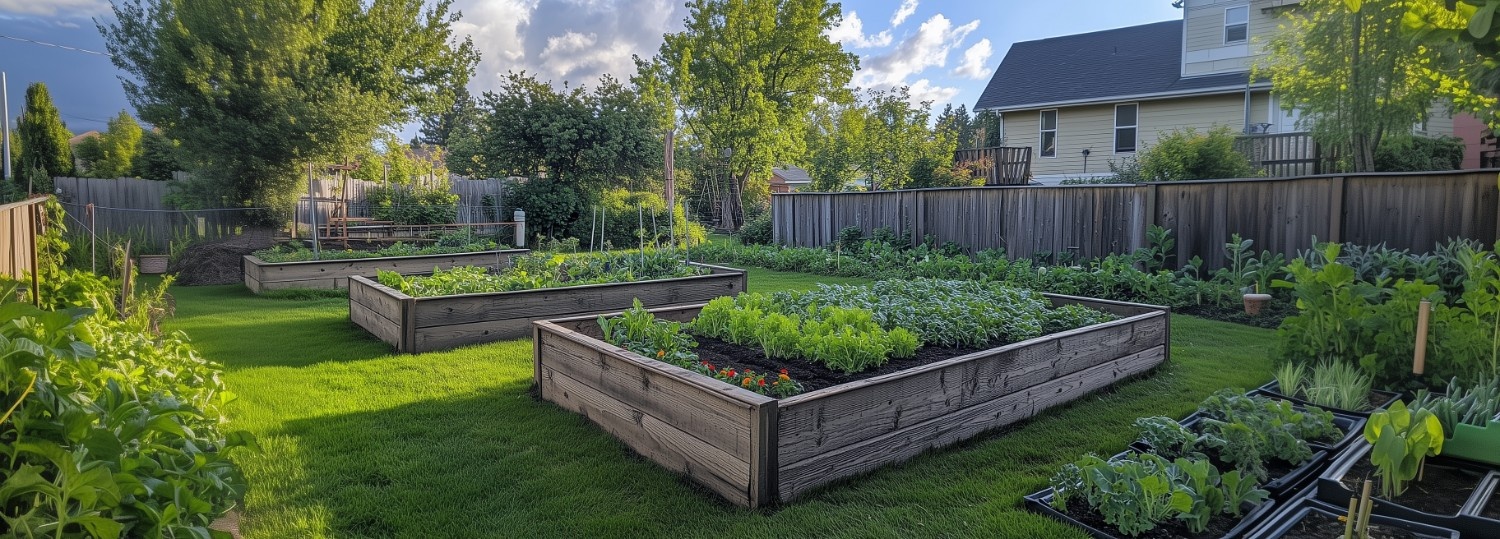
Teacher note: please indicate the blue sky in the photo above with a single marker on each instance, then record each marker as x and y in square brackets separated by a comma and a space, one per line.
[944, 50]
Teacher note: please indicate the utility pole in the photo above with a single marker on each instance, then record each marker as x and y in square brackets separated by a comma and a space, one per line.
[5, 171]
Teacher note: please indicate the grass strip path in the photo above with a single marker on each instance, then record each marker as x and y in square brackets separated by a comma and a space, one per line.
[361, 442]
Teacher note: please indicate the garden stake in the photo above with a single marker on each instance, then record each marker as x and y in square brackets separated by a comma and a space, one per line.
[1367, 504]
[640, 226]
[1420, 359]
[1350, 517]
[593, 220]
[655, 232]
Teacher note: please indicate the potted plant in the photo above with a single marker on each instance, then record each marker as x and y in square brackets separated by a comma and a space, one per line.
[1335, 386]
[1306, 516]
[1255, 301]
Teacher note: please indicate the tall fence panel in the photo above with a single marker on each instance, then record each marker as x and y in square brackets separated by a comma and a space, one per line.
[20, 224]
[1404, 211]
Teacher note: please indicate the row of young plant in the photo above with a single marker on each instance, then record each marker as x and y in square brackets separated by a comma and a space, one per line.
[110, 427]
[1213, 466]
[853, 328]
[1146, 275]
[448, 243]
[639, 331]
[545, 270]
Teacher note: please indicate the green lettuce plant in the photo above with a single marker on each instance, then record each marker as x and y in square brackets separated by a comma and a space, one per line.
[1402, 440]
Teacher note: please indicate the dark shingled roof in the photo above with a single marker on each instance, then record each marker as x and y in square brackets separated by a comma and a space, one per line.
[791, 174]
[1135, 60]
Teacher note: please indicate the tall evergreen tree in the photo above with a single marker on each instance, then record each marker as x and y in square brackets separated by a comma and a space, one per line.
[43, 138]
[438, 129]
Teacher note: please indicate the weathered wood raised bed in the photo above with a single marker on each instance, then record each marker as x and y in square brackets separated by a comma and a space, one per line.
[334, 274]
[441, 322]
[756, 450]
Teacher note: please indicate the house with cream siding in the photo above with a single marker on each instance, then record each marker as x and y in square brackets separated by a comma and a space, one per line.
[1084, 100]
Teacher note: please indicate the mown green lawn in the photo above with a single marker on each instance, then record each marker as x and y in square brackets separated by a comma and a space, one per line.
[360, 442]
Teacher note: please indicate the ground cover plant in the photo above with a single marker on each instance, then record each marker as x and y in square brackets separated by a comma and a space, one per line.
[460, 242]
[360, 441]
[110, 427]
[545, 270]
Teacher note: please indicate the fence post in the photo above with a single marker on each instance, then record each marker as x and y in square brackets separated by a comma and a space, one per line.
[1336, 211]
[520, 218]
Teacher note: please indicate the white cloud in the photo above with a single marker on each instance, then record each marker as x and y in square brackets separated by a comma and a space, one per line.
[908, 7]
[55, 8]
[929, 47]
[851, 33]
[564, 40]
[975, 58]
[924, 90]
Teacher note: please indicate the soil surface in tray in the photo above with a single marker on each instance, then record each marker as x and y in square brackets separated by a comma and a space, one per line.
[1318, 525]
[811, 375]
[1492, 509]
[1217, 527]
[1441, 491]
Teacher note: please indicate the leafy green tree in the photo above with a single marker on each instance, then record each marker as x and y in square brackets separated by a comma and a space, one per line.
[744, 76]
[254, 90]
[833, 146]
[159, 157]
[86, 153]
[581, 137]
[118, 147]
[1471, 26]
[43, 138]
[1355, 76]
[895, 135]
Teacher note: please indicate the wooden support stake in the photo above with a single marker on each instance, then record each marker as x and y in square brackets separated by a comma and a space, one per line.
[1419, 360]
[1350, 517]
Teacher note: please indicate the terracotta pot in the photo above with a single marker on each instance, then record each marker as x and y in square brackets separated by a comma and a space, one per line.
[1255, 302]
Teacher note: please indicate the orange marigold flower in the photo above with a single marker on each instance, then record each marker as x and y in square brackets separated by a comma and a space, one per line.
[745, 383]
[783, 376]
[660, 353]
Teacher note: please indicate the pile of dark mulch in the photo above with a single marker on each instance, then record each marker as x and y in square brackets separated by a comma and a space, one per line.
[1270, 316]
[218, 262]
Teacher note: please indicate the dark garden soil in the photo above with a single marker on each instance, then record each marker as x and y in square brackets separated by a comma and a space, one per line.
[1217, 527]
[811, 375]
[1492, 509]
[1441, 490]
[1318, 525]
[218, 262]
[1270, 316]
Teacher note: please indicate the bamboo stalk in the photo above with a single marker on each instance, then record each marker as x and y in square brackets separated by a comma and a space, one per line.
[1367, 504]
[1419, 361]
[1350, 517]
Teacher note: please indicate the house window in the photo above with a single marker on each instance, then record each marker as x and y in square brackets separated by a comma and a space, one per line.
[1236, 24]
[1126, 117]
[1048, 143]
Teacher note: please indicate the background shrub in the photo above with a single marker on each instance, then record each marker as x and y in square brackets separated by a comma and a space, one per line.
[1411, 153]
[406, 205]
[1188, 155]
[756, 231]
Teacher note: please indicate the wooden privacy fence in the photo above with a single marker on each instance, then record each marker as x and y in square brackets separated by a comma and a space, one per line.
[20, 224]
[1402, 210]
[137, 208]
[1007, 166]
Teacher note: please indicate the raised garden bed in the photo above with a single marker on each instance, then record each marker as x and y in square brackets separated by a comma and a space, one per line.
[1448, 488]
[1079, 514]
[1308, 518]
[261, 276]
[755, 450]
[423, 324]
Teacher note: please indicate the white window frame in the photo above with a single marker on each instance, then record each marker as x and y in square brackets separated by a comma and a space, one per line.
[1228, 24]
[1042, 131]
[1136, 127]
